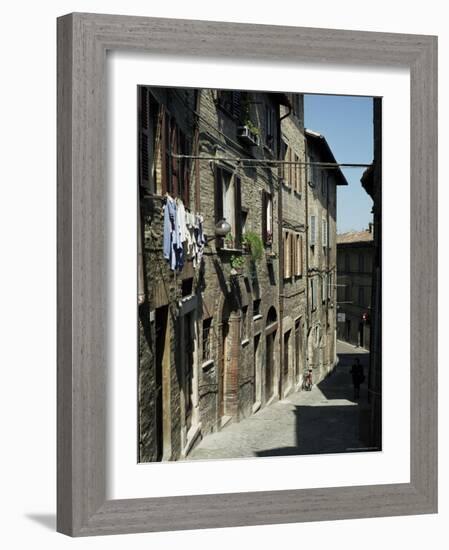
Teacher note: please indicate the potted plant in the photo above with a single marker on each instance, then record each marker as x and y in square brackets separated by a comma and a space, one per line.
[253, 243]
[237, 263]
[229, 240]
[249, 133]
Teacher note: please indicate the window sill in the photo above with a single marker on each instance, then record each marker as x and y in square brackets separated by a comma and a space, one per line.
[257, 317]
[207, 365]
[231, 250]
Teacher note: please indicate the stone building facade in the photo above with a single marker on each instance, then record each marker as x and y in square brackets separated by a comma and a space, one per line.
[355, 251]
[323, 177]
[228, 332]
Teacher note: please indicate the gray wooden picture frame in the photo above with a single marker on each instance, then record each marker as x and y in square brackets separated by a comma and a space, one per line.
[83, 40]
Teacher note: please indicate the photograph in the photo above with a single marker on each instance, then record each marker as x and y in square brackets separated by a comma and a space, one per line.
[259, 274]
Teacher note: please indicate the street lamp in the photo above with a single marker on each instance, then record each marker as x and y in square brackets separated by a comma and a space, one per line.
[222, 228]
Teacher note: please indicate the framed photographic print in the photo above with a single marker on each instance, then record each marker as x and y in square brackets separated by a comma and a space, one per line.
[235, 203]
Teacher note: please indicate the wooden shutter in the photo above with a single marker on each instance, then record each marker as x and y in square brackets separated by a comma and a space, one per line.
[290, 167]
[298, 255]
[324, 237]
[292, 255]
[174, 142]
[145, 139]
[238, 211]
[237, 104]
[286, 255]
[283, 155]
[264, 216]
[218, 200]
[312, 230]
[165, 151]
[184, 169]
[218, 194]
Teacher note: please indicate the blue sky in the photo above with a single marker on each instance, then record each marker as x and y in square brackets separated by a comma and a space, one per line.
[346, 122]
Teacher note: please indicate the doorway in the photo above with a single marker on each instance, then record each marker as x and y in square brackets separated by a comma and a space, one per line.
[187, 351]
[161, 356]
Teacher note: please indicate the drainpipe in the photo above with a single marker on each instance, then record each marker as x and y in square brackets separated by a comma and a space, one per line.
[281, 258]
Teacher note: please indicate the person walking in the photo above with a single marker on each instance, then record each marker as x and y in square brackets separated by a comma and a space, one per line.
[357, 377]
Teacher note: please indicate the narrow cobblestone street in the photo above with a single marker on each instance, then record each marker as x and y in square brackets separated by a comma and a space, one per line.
[324, 420]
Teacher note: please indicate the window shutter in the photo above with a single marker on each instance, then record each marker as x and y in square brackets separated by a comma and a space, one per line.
[145, 141]
[237, 104]
[286, 255]
[174, 161]
[165, 152]
[290, 167]
[218, 201]
[187, 147]
[298, 256]
[218, 194]
[324, 232]
[292, 255]
[238, 211]
[264, 216]
[312, 230]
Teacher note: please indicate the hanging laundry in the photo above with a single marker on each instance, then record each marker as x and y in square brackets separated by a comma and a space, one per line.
[172, 245]
[200, 238]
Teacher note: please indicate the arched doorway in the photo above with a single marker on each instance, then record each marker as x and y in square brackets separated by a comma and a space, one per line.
[228, 364]
[270, 339]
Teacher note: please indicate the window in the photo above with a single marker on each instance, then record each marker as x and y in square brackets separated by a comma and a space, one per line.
[330, 287]
[313, 292]
[298, 345]
[312, 231]
[289, 177]
[187, 287]
[293, 171]
[267, 218]
[256, 307]
[324, 232]
[347, 263]
[298, 171]
[207, 339]
[298, 245]
[323, 287]
[347, 293]
[361, 262]
[287, 255]
[292, 254]
[361, 296]
[154, 144]
[228, 205]
[243, 324]
[270, 125]
[323, 183]
[283, 169]
[230, 101]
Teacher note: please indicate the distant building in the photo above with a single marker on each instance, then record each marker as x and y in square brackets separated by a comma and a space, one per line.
[355, 254]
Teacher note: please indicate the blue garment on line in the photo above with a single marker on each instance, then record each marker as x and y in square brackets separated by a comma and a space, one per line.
[172, 246]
